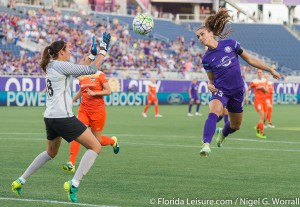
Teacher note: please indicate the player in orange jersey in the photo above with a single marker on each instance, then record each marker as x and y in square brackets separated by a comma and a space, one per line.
[269, 101]
[260, 89]
[92, 113]
[152, 98]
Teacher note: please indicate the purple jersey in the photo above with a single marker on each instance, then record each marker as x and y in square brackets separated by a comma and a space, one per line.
[223, 63]
[194, 91]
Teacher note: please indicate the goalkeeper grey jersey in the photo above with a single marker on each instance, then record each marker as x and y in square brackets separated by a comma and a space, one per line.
[58, 82]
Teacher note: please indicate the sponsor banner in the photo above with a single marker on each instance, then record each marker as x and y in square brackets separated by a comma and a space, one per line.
[125, 85]
[26, 98]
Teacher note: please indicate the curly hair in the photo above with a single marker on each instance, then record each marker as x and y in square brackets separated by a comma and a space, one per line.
[216, 23]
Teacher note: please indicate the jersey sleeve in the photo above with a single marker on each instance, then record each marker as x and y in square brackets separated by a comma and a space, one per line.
[236, 46]
[206, 66]
[68, 68]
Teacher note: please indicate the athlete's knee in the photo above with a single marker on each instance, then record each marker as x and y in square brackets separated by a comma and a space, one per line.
[235, 126]
[52, 153]
[96, 147]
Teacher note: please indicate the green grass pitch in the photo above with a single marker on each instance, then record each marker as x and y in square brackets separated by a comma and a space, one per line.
[159, 159]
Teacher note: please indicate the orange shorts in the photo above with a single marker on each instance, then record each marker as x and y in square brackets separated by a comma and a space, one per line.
[96, 119]
[152, 99]
[260, 105]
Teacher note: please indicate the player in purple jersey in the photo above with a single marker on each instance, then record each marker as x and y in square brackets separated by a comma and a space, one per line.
[224, 77]
[194, 97]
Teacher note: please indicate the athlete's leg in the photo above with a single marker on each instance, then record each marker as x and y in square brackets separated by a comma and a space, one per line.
[37, 163]
[198, 108]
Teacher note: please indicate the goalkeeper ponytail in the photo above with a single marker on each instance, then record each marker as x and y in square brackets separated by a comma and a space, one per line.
[51, 52]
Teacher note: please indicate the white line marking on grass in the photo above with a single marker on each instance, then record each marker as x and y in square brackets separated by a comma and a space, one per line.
[152, 135]
[225, 148]
[53, 201]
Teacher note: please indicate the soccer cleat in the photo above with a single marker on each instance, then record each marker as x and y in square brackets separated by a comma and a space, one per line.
[116, 146]
[205, 151]
[256, 129]
[72, 191]
[69, 167]
[189, 114]
[262, 136]
[220, 137]
[158, 115]
[270, 125]
[144, 115]
[16, 186]
[198, 114]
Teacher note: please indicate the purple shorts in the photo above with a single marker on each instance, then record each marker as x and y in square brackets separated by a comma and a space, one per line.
[195, 97]
[234, 103]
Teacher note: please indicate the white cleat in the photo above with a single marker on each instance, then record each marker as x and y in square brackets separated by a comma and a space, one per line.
[205, 151]
[270, 125]
[144, 115]
[158, 115]
[189, 114]
[198, 114]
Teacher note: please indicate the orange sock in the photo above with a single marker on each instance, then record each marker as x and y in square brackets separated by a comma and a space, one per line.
[105, 140]
[269, 114]
[261, 127]
[146, 108]
[156, 110]
[74, 149]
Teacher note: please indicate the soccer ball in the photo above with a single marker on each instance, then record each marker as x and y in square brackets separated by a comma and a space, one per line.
[142, 24]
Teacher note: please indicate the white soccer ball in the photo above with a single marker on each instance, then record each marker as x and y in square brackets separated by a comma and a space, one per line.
[142, 24]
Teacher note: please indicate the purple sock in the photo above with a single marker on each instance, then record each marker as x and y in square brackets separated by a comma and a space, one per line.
[190, 108]
[225, 119]
[198, 107]
[227, 129]
[210, 127]
[220, 118]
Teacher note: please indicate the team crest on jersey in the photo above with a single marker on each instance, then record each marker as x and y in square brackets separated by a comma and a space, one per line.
[92, 79]
[227, 49]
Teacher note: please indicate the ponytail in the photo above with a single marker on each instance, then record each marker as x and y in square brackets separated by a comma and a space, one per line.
[45, 59]
[51, 51]
[216, 23]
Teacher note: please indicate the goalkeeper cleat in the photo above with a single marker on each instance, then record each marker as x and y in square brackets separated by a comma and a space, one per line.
[262, 136]
[205, 151]
[69, 167]
[71, 190]
[220, 137]
[116, 146]
[16, 186]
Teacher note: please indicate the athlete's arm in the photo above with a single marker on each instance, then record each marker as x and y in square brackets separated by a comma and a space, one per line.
[247, 93]
[210, 83]
[256, 63]
[190, 92]
[106, 91]
[77, 96]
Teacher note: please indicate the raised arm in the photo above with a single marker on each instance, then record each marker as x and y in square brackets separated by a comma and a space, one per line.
[256, 63]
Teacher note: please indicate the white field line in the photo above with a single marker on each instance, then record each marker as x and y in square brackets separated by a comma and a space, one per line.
[53, 201]
[192, 146]
[145, 135]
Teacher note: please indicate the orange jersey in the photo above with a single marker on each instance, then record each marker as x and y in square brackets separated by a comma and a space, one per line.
[95, 83]
[270, 92]
[259, 94]
[152, 90]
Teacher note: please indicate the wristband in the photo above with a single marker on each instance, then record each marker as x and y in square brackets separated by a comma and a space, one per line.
[92, 57]
[102, 52]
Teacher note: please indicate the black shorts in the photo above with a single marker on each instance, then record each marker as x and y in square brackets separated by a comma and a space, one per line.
[68, 128]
